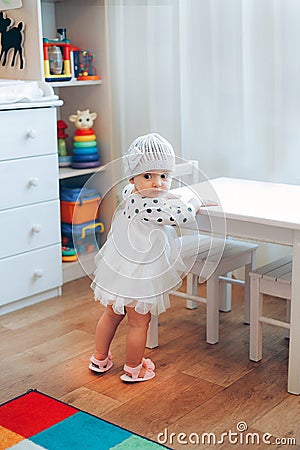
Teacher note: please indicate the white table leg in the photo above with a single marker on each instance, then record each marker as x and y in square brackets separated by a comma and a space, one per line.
[256, 310]
[212, 310]
[294, 353]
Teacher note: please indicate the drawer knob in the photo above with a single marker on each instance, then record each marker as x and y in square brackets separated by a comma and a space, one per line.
[34, 181]
[32, 134]
[39, 273]
[36, 228]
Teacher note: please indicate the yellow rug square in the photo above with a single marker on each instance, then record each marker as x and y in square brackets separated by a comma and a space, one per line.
[8, 438]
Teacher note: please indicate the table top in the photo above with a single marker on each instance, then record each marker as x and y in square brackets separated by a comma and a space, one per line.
[254, 201]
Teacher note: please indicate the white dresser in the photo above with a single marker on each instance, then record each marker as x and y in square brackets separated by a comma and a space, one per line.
[30, 249]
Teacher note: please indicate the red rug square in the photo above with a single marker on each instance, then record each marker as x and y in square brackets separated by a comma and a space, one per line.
[26, 414]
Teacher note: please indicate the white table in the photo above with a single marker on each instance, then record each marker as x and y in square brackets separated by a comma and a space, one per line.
[268, 212]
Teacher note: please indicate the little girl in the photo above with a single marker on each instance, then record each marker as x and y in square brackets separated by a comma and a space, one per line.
[140, 261]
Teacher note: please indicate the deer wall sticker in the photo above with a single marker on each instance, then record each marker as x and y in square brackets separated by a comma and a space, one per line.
[11, 39]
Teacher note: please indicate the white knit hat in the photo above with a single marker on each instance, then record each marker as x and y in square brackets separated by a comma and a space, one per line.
[148, 152]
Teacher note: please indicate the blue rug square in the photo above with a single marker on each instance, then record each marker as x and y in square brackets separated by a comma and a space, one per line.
[81, 431]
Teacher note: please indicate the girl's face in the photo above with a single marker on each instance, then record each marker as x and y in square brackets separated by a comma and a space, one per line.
[152, 184]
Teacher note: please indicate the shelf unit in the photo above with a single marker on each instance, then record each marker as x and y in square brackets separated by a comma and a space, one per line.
[85, 23]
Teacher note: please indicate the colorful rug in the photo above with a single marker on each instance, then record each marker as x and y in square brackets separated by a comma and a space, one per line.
[35, 421]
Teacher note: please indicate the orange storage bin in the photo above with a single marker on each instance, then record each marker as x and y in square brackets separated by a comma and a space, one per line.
[83, 209]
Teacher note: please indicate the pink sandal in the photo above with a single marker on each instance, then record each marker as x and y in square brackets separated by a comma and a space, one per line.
[101, 366]
[134, 372]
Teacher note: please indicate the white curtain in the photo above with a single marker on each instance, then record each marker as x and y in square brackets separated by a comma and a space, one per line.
[143, 40]
[219, 78]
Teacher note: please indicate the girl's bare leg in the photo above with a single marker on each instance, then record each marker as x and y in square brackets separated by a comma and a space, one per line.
[136, 337]
[105, 331]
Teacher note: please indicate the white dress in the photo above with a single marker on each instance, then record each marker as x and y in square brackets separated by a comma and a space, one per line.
[141, 259]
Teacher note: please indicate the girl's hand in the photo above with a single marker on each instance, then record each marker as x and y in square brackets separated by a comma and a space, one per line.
[204, 204]
[196, 203]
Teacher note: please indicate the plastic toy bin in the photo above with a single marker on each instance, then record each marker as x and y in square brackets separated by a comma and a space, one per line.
[78, 205]
[82, 237]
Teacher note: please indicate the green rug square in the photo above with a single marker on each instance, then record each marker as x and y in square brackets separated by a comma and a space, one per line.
[135, 442]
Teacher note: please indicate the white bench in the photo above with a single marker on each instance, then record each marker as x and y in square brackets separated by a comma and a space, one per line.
[273, 279]
[236, 255]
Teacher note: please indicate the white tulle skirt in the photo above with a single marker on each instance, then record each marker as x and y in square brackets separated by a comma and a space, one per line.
[137, 267]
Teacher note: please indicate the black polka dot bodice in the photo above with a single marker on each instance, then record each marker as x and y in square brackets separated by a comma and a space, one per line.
[159, 210]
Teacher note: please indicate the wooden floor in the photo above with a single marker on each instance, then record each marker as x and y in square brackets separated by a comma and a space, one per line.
[199, 388]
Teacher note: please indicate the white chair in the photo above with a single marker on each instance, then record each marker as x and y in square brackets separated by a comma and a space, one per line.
[273, 279]
[236, 255]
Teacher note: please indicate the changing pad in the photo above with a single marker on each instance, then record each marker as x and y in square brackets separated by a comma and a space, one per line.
[14, 91]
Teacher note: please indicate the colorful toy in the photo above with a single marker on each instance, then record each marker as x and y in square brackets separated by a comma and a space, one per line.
[57, 65]
[61, 137]
[85, 149]
[75, 60]
[69, 254]
[86, 68]
[63, 159]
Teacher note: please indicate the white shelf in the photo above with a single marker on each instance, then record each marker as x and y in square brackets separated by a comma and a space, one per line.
[68, 172]
[74, 83]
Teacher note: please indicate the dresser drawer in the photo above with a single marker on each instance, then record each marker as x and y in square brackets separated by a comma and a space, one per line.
[30, 273]
[29, 180]
[28, 133]
[29, 228]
